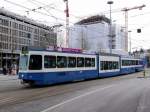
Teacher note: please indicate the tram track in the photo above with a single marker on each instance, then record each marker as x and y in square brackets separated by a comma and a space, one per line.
[26, 94]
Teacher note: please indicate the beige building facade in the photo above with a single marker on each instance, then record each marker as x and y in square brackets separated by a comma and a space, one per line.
[18, 31]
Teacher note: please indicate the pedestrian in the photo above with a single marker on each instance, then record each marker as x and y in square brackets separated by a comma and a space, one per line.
[9, 70]
[4, 70]
[14, 69]
[17, 69]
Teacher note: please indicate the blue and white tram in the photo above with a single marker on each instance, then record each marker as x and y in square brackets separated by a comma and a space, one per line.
[141, 65]
[130, 65]
[109, 65]
[44, 67]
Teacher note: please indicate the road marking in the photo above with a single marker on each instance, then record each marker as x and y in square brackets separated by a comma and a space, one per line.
[7, 100]
[75, 98]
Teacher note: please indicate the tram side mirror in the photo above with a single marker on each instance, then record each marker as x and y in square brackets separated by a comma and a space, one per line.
[24, 50]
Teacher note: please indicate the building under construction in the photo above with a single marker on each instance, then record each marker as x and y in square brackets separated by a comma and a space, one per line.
[93, 33]
[93, 20]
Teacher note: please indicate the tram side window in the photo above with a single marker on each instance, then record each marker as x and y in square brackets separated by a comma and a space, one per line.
[110, 65]
[129, 62]
[137, 62]
[87, 62]
[133, 62]
[71, 62]
[105, 65]
[125, 62]
[113, 65]
[117, 65]
[80, 62]
[35, 62]
[102, 65]
[61, 61]
[50, 61]
[93, 62]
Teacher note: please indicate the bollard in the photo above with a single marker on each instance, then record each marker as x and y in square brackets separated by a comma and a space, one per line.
[144, 73]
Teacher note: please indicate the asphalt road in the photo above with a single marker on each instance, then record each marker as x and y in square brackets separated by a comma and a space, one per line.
[127, 96]
[128, 93]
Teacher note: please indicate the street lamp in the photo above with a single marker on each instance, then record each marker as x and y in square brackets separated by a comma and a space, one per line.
[110, 31]
[130, 39]
[1, 57]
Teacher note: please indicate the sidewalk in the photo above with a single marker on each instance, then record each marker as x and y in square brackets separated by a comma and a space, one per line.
[8, 77]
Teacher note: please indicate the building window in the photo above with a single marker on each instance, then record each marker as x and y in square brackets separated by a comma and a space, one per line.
[15, 25]
[0, 21]
[4, 30]
[20, 26]
[28, 35]
[4, 22]
[15, 32]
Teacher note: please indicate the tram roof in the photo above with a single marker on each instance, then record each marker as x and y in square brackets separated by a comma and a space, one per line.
[74, 51]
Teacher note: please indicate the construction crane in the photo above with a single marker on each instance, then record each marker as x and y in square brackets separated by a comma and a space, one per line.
[126, 22]
[67, 22]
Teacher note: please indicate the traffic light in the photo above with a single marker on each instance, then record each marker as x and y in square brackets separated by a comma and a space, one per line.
[138, 30]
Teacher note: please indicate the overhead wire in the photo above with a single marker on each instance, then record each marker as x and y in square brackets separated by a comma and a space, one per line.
[139, 42]
[141, 14]
[13, 3]
[56, 9]
[42, 7]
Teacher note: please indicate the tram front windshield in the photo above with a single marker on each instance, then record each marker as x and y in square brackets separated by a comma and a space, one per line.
[23, 62]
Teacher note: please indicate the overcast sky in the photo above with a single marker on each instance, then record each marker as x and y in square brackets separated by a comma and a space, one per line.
[52, 12]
